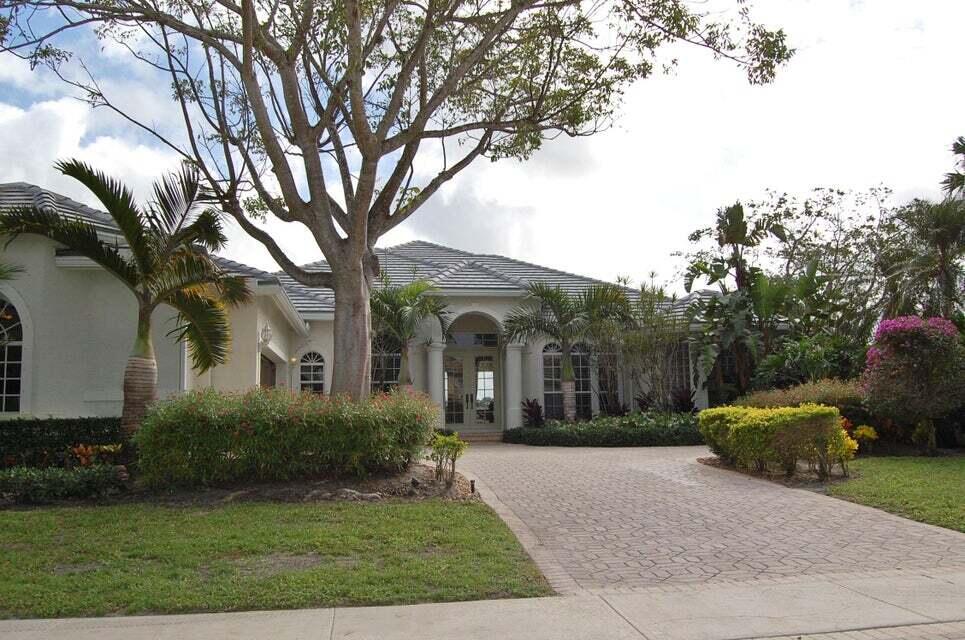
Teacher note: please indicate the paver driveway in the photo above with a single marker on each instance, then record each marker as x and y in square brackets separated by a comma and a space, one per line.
[629, 518]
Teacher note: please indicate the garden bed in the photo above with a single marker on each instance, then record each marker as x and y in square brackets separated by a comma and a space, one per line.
[227, 553]
[633, 430]
[418, 482]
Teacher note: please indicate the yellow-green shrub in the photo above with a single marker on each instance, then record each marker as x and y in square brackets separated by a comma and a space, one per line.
[776, 438]
[715, 425]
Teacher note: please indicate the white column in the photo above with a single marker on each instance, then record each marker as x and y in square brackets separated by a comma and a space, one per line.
[513, 373]
[434, 372]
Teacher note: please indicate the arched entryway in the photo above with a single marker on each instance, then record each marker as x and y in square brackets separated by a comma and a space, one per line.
[472, 375]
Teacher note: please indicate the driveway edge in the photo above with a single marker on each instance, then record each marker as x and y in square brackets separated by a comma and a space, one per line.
[561, 581]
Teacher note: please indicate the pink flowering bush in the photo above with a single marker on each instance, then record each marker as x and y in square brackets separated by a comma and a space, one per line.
[209, 437]
[915, 373]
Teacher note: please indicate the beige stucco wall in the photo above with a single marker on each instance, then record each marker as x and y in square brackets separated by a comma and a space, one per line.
[82, 324]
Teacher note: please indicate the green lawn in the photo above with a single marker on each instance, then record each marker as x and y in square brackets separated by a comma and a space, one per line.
[925, 489]
[141, 558]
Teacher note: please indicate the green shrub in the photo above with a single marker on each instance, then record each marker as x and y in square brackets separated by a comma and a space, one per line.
[715, 425]
[444, 450]
[648, 429]
[846, 395]
[778, 438]
[45, 441]
[208, 437]
[32, 486]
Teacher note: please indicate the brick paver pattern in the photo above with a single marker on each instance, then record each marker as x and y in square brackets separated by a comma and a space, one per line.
[618, 519]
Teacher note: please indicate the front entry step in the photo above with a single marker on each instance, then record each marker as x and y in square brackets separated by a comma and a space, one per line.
[482, 436]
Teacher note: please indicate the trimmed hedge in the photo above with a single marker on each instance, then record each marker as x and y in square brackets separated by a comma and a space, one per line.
[778, 438]
[846, 395]
[34, 486]
[208, 437]
[649, 429]
[44, 441]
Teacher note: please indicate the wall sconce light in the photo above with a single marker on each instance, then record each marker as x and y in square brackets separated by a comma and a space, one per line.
[265, 336]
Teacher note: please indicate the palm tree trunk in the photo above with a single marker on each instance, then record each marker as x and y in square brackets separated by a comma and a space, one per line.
[140, 377]
[405, 376]
[568, 383]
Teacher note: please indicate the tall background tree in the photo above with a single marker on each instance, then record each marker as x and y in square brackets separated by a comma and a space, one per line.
[166, 262]
[347, 117]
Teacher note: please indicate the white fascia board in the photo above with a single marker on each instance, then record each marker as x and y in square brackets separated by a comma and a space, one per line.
[284, 304]
[319, 316]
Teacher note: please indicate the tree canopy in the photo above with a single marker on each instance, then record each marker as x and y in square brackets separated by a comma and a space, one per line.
[345, 117]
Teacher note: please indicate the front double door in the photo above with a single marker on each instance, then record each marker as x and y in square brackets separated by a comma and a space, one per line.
[470, 388]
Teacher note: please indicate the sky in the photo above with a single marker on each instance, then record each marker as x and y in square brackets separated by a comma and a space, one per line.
[872, 97]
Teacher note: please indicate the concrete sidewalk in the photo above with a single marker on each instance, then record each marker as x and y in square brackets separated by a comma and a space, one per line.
[895, 604]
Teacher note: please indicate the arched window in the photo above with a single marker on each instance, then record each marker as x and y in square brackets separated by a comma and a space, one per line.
[386, 363]
[312, 372]
[11, 357]
[553, 377]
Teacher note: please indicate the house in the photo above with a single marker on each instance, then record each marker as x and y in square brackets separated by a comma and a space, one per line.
[66, 328]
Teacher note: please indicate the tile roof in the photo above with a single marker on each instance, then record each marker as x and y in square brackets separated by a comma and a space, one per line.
[456, 270]
[452, 270]
[14, 195]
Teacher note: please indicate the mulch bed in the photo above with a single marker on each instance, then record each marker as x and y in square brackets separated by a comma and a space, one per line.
[418, 482]
[805, 479]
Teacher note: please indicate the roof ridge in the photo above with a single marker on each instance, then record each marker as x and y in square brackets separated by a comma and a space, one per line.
[431, 244]
[502, 276]
[554, 270]
[428, 263]
[448, 271]
[261, 272]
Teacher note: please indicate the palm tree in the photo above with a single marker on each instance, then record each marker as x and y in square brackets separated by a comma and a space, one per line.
[930, 264]
[9, 271]
[550, 312]
[954, 182]
[399, 310]
[166, 261]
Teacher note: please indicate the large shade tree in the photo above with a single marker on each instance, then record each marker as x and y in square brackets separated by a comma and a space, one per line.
[166, 262]
[567, 319]
[346, 117]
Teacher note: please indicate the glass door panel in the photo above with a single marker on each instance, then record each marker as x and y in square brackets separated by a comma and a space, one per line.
[484, 400]
[454, 391]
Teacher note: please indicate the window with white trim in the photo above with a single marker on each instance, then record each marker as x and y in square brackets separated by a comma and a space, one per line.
[386, 363]
[11, 357]
[553, 377]
[312, 372]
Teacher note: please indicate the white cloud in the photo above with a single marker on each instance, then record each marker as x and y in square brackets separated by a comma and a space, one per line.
[871, 97]
[53, 130]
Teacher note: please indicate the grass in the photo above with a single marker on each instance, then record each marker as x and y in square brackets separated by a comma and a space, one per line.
[140, 558]
[924, 489]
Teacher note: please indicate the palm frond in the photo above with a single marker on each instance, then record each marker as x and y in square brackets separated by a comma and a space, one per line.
[205, 230]
[399, 310]
[529, 321]
[188, 270]
[175, 195]
[9, 271]
[203, 323]
[75, 235]
[119, 203]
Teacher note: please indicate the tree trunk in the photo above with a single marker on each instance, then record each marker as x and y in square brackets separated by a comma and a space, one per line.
[405, 376]
[352, 369]
[140, 377]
